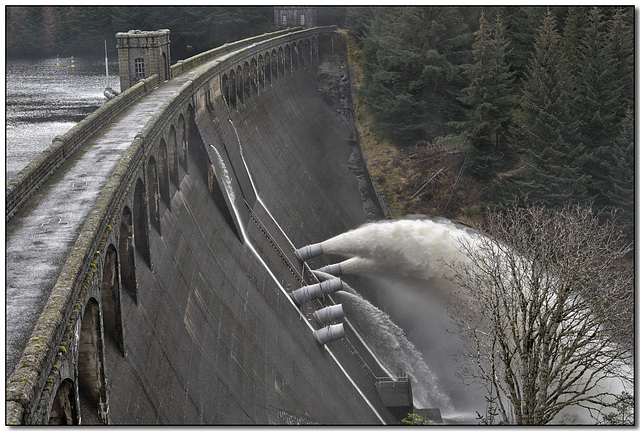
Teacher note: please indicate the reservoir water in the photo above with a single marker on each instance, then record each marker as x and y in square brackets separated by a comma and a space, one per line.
[44, 100]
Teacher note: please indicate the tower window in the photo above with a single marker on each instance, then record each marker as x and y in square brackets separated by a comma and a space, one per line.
[302, 19]
[139, 66]
[284, 19]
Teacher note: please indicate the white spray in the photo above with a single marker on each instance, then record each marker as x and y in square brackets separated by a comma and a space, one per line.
[226, 179]
[412, 248]
[405, 264]
[389, 341]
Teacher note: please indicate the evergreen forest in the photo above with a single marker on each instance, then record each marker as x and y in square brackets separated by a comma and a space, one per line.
[533, 102]
[538, 102]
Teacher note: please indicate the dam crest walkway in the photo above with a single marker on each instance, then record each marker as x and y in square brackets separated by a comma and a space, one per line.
[42, 233]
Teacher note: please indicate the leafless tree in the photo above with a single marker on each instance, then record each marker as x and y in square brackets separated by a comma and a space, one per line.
[546, 300]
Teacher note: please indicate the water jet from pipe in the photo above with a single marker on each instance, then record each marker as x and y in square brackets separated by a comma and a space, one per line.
[333, 269]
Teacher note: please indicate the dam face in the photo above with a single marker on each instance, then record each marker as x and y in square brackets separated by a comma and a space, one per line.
[213, 339]
[188, 317]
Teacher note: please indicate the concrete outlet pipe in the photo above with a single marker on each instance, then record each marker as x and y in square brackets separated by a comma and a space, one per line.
[308, 251]
[333, 269]
[328, 315]
[315, 291]
[329, 333]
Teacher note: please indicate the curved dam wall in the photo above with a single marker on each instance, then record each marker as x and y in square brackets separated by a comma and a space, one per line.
[220, 342]
[174, 305]
[29, 179]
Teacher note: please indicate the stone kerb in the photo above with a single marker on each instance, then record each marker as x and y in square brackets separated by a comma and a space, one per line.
[32, 176]
[161, 119]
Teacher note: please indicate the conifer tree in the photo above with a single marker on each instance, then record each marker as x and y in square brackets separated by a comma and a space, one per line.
[598, 101]
[619, 48]
[489, 97]
[412, 57]
[597, 96]
[389, 64]
[521, 23]
[547, 128]
[573, 35]
[618, 160]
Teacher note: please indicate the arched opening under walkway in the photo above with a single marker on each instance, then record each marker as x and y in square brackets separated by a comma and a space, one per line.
[163, 173]
[90, 367]
[141, 227]
[267, 68]
[281, 61]
[232, 89]
[225, 88]
[295, 56]
[152, 183]
[173, 155]
[239, 85]
[274, 64]
[182, 142]
[253, 76]
[247, 79]
[261, 71]
[110, 296]
[287, 58]
[64, 410]
[127, 255]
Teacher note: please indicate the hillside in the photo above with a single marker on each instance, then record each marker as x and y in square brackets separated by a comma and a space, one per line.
[460, 109]
[428, 178]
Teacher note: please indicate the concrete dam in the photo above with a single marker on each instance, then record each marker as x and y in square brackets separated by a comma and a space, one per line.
[151, 267]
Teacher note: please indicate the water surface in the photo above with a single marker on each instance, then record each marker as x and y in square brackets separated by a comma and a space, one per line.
[44, 100]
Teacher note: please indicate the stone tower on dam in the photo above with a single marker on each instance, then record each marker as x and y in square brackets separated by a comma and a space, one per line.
[151, 273]
[142, 54]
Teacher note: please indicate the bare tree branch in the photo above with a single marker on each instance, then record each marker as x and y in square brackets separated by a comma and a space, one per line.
[542, 297]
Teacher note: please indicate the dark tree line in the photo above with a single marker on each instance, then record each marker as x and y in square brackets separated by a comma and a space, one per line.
[47, 31]
[543, 97]
[81, 30]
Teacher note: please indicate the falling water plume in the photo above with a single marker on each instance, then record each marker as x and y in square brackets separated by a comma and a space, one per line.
[403, 270]
[416, 248]
[390, 343]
